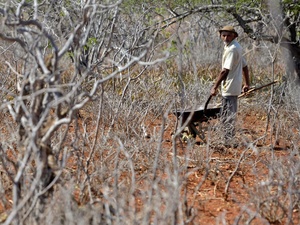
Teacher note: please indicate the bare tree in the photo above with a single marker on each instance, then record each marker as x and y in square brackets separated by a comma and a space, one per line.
[61, 58]
[64, 52]
[273, 21]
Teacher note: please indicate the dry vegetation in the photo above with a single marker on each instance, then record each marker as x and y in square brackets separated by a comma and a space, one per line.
[114, 173]
[115, 155]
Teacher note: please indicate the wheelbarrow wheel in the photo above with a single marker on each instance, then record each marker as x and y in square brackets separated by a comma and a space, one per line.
[194, 131]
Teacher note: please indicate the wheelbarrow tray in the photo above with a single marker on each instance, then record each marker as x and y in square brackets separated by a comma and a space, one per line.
[195, 119]
[198, 115]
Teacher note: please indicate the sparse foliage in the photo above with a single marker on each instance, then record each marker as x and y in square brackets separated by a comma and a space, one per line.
[87, 93]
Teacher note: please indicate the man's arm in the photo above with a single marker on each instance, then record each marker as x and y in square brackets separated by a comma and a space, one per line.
[222, 76]
[247, 79]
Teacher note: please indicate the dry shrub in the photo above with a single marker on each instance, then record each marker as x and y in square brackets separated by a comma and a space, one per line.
[276, 197]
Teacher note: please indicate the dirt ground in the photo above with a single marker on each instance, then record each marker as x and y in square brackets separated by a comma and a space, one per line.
[223, 192]
[226, 194]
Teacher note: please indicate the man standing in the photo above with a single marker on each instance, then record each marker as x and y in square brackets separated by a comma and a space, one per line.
[234, 66]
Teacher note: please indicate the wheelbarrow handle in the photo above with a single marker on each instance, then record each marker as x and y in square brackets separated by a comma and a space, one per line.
[206, 104]
[256, 88]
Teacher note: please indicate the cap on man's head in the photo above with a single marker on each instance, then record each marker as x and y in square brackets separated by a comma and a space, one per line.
[228, 29]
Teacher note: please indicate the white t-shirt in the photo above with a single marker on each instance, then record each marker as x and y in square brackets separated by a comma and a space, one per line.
[234, 61]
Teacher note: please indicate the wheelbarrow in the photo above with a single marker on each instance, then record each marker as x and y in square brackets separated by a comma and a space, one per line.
[195, 117]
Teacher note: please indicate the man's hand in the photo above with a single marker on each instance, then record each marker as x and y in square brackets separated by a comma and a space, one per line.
[245, 88]
[222, 76]
[213, 91]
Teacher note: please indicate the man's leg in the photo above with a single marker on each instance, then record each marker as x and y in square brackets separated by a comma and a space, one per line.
[228, 116]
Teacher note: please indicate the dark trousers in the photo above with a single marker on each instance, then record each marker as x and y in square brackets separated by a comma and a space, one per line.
[228, 116]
